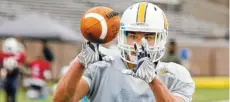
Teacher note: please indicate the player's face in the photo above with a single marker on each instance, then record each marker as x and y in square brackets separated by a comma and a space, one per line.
[135, 37]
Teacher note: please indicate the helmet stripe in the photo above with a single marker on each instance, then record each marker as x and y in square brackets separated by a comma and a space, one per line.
[165, 21]
[141, 12]
[145, 11]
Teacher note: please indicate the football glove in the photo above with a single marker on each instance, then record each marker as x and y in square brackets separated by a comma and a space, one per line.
[90, 54]
[145, 68]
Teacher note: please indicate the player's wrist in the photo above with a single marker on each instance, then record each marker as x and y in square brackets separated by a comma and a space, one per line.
[81, 60]
[77, 62]
[150, 77]
[154, 80]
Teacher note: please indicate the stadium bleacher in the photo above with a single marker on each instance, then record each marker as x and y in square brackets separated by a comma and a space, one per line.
[68, 13]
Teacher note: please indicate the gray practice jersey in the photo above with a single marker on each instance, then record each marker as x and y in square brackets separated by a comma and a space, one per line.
[110, 85]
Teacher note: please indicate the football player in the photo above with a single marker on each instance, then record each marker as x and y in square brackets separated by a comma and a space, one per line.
[12, 60]
[40, 74]
[132, 74]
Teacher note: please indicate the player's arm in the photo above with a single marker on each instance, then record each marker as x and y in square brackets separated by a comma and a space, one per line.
[2, 73]
[21, 59]
[47, 72]
[161, 93]
[25, 70]
[181, 90]
[71, 87]
[81, 90]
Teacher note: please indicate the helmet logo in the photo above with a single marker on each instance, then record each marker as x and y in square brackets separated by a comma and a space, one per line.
[140, 24]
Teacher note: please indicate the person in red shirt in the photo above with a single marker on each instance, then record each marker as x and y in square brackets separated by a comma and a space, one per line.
[40, 74]
[11, 60]
[38, 68]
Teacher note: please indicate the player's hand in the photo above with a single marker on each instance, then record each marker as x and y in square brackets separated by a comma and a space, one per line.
[3, 73]
[145, 68]
[89, 53]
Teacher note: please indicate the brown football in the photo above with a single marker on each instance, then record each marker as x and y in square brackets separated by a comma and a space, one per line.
[100, 24]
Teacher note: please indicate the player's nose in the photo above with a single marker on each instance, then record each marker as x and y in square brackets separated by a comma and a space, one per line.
[138, 42]
[139, 37]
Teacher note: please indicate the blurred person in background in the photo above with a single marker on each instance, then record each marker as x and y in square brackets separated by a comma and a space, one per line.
[21, 44]
[171, 54]
[40, 75]
[22, 49]
[2, 72]
[12, 61]
[47, 53]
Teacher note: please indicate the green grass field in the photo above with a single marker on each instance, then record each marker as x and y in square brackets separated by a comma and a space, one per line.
[201, 95]
[210, 95]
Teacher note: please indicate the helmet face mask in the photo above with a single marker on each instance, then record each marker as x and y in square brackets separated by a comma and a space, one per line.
[155, 22]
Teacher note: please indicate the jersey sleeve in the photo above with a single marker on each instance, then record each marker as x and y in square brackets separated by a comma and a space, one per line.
[92, 76]
[87, 76]
[184, 86]
[48, 65]
[30, 64]
[21, 57]
[1, 59]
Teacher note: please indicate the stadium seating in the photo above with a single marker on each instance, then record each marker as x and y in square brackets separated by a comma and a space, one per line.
[68, 13]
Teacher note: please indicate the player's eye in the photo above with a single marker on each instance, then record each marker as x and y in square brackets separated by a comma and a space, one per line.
[131, 36]
[150, 37]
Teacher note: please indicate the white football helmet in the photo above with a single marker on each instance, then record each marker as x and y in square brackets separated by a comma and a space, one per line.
[10, 45]
[143, 17]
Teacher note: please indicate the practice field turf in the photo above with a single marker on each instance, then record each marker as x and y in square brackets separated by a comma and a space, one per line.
[210, 95]
[201, 95]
